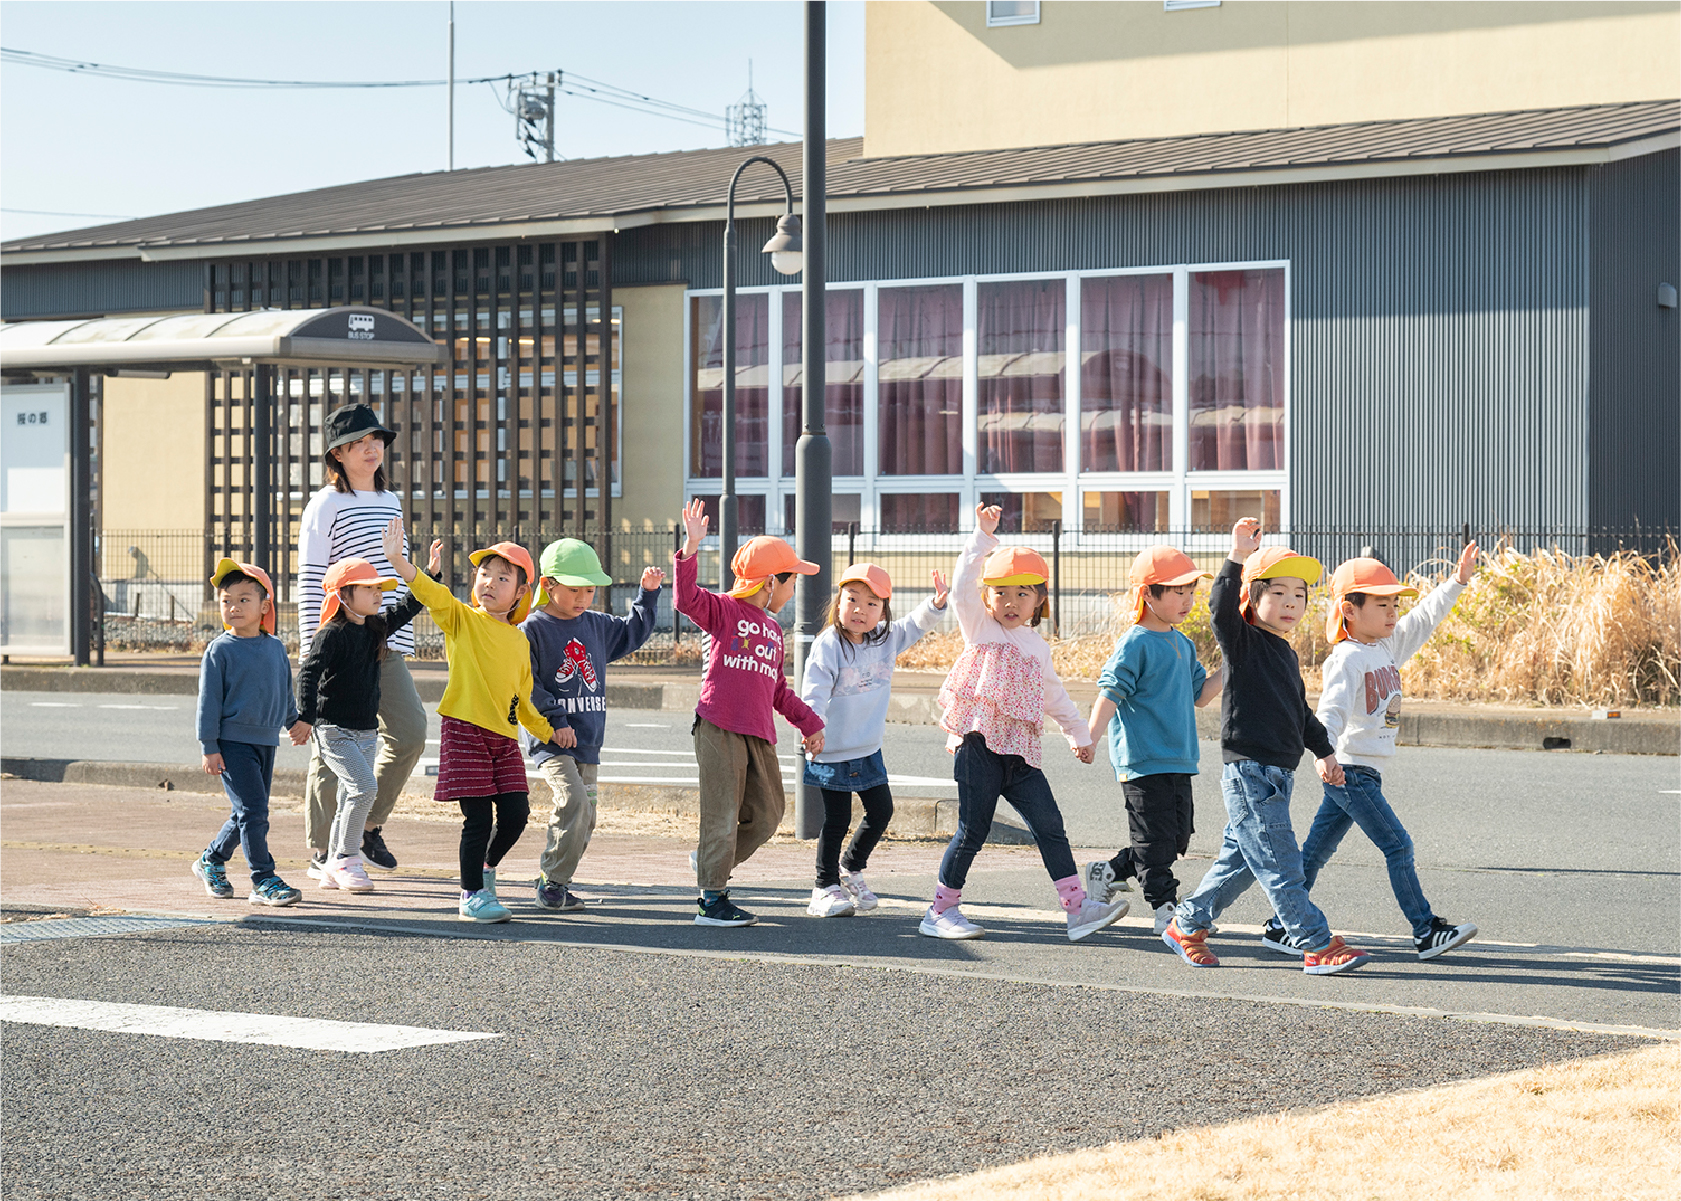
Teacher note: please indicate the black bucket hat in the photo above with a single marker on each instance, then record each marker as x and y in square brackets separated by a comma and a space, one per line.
[352, 423]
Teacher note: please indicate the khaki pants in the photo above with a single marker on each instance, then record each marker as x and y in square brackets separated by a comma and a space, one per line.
[741, 800]
[572, 820]
[402, 741]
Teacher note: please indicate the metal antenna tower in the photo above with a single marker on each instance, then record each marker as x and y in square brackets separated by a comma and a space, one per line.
[531, 101]
[744, 121]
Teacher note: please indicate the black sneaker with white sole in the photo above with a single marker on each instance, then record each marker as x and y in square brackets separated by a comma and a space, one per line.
[1275, 937]
[374, 851]
[1443, 936]
[722, 912]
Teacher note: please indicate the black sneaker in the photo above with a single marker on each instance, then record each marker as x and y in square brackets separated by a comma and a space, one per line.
[722, 912]
[374, 851]
[1443, 936]
[1275, 937]
[557, 897]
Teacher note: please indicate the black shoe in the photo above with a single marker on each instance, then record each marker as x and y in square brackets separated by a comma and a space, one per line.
[722, 912]
[1443, 936]
[1275, 937]
[557, 897]
[375, 852]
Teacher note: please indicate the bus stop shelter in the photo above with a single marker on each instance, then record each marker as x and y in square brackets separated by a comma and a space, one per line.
[46, 486]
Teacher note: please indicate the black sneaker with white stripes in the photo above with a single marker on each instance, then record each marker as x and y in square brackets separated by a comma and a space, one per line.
[1443, 936]
[722, 912]
[374, 851]
[1274, 937]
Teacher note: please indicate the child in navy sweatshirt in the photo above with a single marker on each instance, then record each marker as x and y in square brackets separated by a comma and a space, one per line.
[571, 646]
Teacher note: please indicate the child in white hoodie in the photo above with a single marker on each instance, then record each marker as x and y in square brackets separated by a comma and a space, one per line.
[846, 684]
[1360, 707]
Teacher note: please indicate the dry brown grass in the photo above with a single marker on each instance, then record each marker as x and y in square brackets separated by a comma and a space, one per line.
[1608, 1127]
[1543, 628]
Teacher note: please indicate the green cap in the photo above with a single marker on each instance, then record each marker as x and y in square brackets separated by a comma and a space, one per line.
[573, 563]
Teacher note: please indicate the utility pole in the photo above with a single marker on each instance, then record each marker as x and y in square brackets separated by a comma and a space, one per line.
[813, 463]
[452, 85]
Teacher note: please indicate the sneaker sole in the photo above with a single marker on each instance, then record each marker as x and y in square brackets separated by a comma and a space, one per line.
[1180, 951]
[1446, 947]
[933, 931]
[718, 921]
[483, 921]
[378, 867]
[274, 903]
[354, 890]
[1080, 932]
[810, 912]
[1333, 969]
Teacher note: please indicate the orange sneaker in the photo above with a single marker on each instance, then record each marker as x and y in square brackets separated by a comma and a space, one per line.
[1338, 957]
[1192, 948]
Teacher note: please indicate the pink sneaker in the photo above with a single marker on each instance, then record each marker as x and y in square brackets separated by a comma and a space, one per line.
[348, 874]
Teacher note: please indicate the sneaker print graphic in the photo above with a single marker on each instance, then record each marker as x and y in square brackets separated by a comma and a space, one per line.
[576, 665]
[850, 681]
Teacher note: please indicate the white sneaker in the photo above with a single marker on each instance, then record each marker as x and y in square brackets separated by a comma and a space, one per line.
[862, 897]
[317, 869]
[349, 875]
[1093, 915]
[1164, 915]
[950, 924]
[1101, 882]
[833, 901]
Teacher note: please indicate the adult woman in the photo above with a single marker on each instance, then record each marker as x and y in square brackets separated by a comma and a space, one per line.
[347, 518]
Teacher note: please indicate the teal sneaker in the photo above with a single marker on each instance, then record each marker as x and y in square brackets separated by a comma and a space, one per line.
[482, 906]
[490, 883]
[274, 892]
[213, 876]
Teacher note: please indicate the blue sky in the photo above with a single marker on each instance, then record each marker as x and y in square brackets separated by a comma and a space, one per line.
[80, 144]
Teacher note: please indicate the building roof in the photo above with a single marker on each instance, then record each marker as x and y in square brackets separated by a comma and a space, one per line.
[590, 195]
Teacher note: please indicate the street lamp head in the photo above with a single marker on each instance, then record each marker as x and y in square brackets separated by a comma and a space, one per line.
[786, 249]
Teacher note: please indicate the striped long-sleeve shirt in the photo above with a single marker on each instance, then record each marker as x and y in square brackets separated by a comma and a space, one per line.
[342, 525]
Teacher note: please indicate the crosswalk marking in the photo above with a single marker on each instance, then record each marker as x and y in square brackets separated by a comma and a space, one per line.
[275, 1030]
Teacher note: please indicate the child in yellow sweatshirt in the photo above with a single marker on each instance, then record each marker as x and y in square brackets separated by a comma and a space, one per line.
[488, 697]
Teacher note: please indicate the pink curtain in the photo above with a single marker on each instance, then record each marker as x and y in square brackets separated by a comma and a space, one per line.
[752, 385]
[1237, 370]
[843, 393]
[919, 341]
[1019, 417]
[918, 512]
[1126, 373]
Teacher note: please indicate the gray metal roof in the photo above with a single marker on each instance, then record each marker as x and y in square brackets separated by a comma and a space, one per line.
[585, 194]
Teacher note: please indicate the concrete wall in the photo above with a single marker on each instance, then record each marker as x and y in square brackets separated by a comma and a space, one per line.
[152, 457]
[937, 79]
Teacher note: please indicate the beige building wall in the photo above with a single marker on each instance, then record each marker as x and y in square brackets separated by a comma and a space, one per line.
[937, 79]
[651, 409]
[152, 453]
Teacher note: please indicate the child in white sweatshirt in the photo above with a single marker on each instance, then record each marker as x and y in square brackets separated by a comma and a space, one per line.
[1360, 707]
[846, 684]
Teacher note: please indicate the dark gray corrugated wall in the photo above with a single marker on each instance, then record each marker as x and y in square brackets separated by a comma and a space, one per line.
[99, 288]
[1634, 389]
[1440, 349]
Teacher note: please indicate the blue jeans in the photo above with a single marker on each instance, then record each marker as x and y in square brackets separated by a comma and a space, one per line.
[1360, 802]
[982, 777]
[247, 772]
[1259, 845]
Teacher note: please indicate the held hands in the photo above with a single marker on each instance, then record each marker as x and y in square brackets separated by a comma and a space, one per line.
[652, 578]
[1467, 564]
[1085, 754]
[695, 522]
[391, 542]
[1246, 539]
[435, 561]
[941, 589]
[813, 743]
[987, 518]
[1330, 770]
[564, 736]
[299, 733]
[213, 765]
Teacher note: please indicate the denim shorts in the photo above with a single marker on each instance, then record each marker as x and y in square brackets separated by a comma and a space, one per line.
[849, 775]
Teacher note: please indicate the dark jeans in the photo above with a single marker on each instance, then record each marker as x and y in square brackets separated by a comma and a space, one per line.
[837, 816]
[483, 841]
[247, 772]
[1360, 802]
[982, 777]
[1159, 820]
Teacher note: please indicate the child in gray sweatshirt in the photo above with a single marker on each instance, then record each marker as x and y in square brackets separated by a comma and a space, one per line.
[847, 678]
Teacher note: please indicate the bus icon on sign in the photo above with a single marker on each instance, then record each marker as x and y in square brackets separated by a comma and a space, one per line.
[361, 326]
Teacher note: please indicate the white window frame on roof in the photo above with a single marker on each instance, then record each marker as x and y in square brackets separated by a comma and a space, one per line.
[993, 22]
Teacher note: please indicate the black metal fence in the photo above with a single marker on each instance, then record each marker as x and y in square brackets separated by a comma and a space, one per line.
[155, 596]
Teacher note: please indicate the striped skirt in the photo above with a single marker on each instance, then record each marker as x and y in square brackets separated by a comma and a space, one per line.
[474, 762]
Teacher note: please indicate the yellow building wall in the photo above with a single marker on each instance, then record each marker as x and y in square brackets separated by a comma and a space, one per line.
[651, 407]
[938, 80]
[152, 453]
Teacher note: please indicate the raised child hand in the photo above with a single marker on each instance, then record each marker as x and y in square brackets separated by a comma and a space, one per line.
[1330, 770]
[435, 561]
[987, 518]
[391, 542]
[941, 589]
[1467, 564]
[695, 522]
[652, 578]
[1246, 539]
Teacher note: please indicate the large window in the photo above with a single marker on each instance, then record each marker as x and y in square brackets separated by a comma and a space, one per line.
[1136, 400]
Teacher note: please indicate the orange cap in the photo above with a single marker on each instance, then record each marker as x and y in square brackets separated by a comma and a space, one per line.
[519, 557]
[760, 558]
[869, 575]
[1276, 562]
[1360, 575]
[224, 566]
[346, 572]
[1165, 565]
[1014, 565]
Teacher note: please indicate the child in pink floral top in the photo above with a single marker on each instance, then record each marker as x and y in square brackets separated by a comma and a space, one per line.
[993, 705]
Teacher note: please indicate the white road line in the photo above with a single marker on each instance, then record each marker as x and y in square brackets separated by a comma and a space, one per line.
[639, 725]
[52, 705]
[159, 708]
[648, 780]
[636, 750]
[166, 1021]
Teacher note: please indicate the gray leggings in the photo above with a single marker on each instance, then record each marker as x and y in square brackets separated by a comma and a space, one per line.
[350, 755]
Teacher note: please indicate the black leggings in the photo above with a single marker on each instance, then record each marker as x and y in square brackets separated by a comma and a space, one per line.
[837, 816]
[484, 841]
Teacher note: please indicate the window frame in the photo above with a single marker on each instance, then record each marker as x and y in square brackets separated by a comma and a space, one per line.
[993, 22]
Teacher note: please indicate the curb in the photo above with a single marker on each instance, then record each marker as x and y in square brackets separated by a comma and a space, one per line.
[924, 818]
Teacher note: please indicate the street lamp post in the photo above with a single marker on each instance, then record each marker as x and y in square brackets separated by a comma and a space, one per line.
[786, 255]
